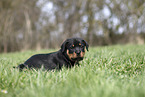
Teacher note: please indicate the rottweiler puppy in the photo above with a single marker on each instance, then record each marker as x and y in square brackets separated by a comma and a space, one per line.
[72, 51]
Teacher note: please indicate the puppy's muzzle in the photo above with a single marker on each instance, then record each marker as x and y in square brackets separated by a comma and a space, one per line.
[78, 53]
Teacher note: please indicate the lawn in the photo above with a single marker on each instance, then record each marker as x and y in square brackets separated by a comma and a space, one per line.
[111, 71]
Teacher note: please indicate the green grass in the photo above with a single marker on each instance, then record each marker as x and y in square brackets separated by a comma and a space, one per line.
[114, 71]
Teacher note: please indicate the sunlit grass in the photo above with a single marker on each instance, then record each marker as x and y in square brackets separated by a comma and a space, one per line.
[114, 71]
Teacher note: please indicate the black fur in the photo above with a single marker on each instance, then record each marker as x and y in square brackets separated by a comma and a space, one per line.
[57, 60]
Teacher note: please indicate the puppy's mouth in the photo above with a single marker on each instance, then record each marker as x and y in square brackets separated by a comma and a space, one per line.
[77, 59]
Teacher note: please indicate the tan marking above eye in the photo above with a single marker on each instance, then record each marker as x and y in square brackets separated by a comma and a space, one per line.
[73, 45]
[79, 43]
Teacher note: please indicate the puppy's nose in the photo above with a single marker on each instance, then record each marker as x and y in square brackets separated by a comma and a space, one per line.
[78, 52]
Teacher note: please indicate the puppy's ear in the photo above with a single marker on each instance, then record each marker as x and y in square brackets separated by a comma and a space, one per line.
[63, 46]
[86, 44]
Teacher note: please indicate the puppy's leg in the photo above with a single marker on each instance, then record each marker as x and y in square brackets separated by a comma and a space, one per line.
[21, 66]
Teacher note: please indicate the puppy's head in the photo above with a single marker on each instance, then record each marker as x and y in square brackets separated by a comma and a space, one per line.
[74, 48]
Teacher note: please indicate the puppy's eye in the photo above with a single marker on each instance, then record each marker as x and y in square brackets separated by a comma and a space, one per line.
[72, 46]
